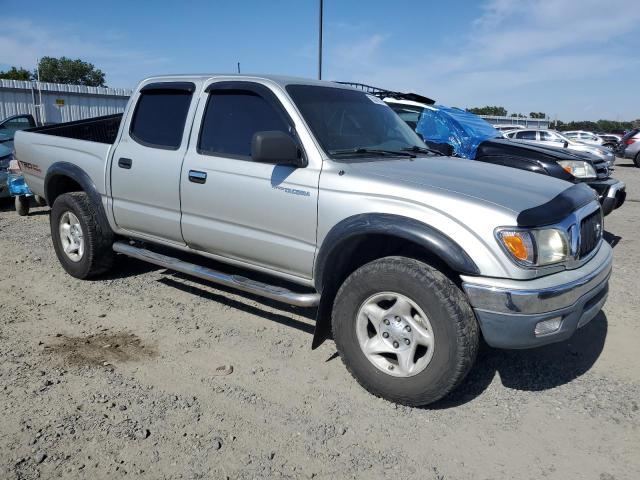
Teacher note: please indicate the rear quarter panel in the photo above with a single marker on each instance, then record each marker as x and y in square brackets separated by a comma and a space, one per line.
[36, 152]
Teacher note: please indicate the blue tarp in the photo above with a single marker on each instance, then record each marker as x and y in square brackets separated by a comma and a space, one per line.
[17, 185]
[462, 130]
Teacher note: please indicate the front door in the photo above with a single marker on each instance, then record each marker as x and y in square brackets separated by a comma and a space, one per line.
[255, 213]
[146, 165]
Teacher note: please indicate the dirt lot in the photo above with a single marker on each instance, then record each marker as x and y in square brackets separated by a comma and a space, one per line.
[120, 377]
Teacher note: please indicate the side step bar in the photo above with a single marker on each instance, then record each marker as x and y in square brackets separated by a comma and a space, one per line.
[273, 292]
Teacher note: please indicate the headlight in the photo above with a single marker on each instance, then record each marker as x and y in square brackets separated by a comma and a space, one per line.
[534, 247]
[578, 169]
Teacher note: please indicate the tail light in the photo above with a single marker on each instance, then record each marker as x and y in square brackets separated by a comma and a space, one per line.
[629, 141]
[14, 167]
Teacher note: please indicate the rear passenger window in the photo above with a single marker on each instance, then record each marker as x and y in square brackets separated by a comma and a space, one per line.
[526, 135]
[159, 118]
[231, 119]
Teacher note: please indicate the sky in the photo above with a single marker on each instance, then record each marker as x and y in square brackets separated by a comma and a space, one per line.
[574, 59]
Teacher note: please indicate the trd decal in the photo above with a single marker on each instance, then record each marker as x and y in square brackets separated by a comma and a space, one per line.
[32, 167]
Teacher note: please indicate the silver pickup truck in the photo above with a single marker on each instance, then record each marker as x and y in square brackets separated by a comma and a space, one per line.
[408, 256]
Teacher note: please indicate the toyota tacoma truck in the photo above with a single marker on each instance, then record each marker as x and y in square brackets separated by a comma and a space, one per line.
[327, 199]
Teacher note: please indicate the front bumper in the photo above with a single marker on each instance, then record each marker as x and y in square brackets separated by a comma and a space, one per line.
[611, 193]
[509, 310]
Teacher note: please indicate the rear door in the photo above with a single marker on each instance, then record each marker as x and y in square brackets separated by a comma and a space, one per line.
[146, 165]
[527, 136]
[264, 215]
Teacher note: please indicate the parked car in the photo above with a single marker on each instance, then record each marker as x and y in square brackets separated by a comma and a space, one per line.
[583, 136]
[506, 128]
[610, 140]
[6, 155]
[463, 134]
[631, 146]
[407, 255]
[556, 139]
[8, 127]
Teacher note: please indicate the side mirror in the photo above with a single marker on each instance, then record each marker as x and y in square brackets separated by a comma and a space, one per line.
[566, 144]
[276, 147]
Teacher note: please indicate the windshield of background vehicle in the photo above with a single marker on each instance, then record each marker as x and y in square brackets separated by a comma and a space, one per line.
[348, 120]
[437, 124]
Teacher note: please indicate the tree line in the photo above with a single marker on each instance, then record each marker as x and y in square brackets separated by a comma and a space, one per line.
[59, 70]
[502, 112]
[599, 126]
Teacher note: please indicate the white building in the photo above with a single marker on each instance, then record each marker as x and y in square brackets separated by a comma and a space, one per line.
[55, 103]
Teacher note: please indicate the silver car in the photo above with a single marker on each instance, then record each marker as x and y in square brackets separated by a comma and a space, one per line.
[631, 145]
[553, 138]
[583, 136]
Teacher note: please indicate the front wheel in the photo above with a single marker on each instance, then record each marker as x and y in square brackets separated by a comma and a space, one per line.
[81, 243]
[404, 330]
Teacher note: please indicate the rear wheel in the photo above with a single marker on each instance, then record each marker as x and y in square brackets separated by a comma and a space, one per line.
[404, 330]
[83, 247]
[636, 160]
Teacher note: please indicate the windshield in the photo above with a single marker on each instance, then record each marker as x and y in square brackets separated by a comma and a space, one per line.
[347, 121]
[409, 113]
[563, 137]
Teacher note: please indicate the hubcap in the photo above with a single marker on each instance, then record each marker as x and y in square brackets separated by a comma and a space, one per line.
[394, 334]
[71, 236]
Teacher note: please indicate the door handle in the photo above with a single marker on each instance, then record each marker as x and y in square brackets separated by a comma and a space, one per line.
[125, 163]
[197, 176]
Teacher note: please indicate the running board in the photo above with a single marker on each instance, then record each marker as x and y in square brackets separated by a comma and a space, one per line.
[273, 292]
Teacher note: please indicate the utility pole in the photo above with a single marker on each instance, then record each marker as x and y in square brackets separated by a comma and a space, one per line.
[320, 42]
[238, 67]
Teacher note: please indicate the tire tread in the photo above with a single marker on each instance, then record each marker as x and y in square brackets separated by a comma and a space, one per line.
[456, 305]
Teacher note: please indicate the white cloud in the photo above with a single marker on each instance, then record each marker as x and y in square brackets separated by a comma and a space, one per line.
[22, 42]
[512, 44]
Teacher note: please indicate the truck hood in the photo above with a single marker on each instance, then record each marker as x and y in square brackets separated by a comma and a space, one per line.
[529, 149]
[509, 188]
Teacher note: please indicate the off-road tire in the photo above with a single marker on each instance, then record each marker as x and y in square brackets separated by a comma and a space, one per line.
[22, 205]
[98, 255]
[454, 325]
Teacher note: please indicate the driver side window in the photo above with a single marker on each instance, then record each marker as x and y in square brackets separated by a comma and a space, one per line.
[231, 119]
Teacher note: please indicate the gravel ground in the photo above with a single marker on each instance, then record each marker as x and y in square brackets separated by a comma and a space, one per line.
[151, 374]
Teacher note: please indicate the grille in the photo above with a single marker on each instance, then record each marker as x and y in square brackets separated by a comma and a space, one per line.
[590, 233]
[602, 170]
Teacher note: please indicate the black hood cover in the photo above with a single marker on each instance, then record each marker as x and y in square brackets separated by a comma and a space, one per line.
[558, 208]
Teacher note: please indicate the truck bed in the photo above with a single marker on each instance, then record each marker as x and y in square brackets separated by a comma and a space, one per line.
[97, 129]
[84, 143]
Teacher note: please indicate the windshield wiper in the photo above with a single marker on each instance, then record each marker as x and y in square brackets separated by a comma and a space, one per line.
[418, 149]
[374, 151]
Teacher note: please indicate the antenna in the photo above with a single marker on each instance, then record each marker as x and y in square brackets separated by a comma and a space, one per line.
[320, 41]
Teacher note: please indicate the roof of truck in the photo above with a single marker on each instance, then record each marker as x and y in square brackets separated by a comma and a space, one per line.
[281, 80]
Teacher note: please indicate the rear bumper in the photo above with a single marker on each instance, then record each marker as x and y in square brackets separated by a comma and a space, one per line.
[509, 311]
[611, 193]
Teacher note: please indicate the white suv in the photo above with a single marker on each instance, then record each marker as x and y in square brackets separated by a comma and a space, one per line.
[584, 137]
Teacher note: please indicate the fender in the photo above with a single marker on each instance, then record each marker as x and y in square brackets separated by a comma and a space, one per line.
[432, 239]
[69, 170]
